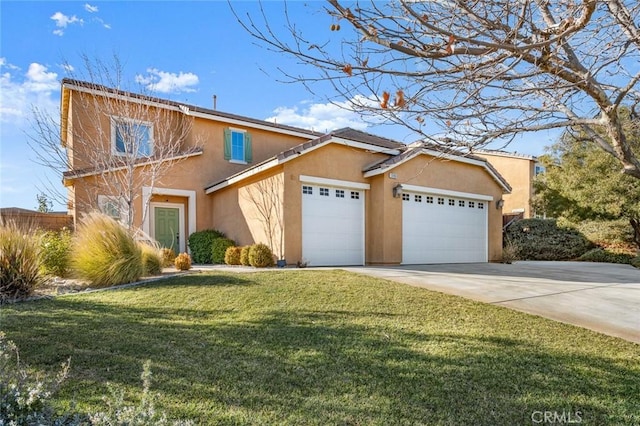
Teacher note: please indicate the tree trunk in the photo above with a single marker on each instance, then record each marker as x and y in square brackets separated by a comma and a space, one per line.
[635, 224]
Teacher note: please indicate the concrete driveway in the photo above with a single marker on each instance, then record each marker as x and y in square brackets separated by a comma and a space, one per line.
[599, 296]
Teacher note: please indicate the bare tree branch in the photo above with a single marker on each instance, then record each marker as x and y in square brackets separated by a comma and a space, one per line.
[479, 71]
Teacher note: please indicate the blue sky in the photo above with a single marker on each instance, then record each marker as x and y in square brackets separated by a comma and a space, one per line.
[186, 51]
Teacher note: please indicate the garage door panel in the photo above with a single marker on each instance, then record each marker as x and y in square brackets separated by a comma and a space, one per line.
[332, 226]
[447, 230]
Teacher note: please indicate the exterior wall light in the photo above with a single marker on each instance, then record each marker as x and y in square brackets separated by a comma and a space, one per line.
[499, 204]
[397, 191]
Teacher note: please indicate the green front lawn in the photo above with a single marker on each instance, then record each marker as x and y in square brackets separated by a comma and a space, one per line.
[326, 347]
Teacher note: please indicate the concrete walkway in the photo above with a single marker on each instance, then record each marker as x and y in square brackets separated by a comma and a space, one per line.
[599, 296]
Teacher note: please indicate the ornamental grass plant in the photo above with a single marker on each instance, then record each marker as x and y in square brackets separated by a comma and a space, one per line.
[19, 262]
[105, 253]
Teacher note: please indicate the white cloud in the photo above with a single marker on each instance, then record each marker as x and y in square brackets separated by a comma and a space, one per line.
[62, 21]
[19, 93]
[322, 117]
[89, 8]
[167, 82]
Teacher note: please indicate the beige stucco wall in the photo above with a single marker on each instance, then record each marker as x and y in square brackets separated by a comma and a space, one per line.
[519, 172]
[430, 172]
[383, 219]
[191, 174]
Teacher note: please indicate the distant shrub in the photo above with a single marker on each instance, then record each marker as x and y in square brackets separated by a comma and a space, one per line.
[542, 239]
[260, 256]
[55, 253]
[105, 253]
[509, 252]
[635, 262]
[183, 262]
[244, 256]
[232, 255]
[607, 256]
[151, 260]
[19, 262]
[168, 256]
[604, 232]
[219, 249]
[201, 243]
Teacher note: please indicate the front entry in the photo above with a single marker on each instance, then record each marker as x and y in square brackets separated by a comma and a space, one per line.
[167, 227]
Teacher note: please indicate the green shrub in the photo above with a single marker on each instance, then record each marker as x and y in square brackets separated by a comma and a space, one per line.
[55, 253]
[200, 244]
[260, 256]
[232, 255]
[105, 253]
[607, 256]
[604, 232]
[509, 252]
[635, 262]
[542, 239]
[19, 262]
[219, 249]
[168, 256]
[183, 262]
[244, 256]
[151, 260]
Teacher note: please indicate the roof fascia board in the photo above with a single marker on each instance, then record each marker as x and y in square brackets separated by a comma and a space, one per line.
[451, 157]
[365, 146]
[187, 111]
[244, 175]
[142, 164]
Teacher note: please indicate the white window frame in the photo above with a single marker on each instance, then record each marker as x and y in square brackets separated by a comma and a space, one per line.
[114, 128]
[118, 202]
[244, 153]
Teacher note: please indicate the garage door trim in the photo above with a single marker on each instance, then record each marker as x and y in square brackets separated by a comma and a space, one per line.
[438, 191]
[334, 182]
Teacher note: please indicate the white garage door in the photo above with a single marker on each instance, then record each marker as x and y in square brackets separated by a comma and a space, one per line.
[332, 225]
[443, 229]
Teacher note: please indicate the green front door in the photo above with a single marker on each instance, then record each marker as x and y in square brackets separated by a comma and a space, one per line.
[167, 227]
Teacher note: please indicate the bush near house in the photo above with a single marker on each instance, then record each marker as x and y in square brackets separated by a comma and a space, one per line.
[105, 253]
[543, 239]
[219, 249]
[183, 262]
[19, 262]
[232, 255]
[168, 257]
[600, 254]
[55, 252]
[260, 256]
[201, 243]
[244, 256]
[152, 260]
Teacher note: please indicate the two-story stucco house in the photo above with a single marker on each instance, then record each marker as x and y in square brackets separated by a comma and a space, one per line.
[342, 198]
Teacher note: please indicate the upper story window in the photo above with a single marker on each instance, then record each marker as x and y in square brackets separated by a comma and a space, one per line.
[539, 168]
[237, 146]
[131, 137]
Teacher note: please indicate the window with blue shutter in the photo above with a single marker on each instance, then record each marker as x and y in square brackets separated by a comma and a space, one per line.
[237, 146]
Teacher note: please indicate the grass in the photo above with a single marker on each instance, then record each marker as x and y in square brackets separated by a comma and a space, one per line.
[326, 347]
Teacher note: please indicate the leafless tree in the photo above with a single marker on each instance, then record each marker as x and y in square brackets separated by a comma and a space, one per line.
[123, 142]
[267, 198]
[477, 71]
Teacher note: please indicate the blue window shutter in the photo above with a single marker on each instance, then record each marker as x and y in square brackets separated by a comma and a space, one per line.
[227, 144]
[248, 153]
